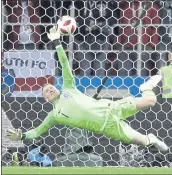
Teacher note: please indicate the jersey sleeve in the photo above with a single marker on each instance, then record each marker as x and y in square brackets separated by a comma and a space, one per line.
[68, 78]
[42, 128]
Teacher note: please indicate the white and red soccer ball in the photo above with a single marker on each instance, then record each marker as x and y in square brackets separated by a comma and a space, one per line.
[67, 25]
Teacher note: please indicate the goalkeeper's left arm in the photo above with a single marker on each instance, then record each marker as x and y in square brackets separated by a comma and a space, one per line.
[16, 135]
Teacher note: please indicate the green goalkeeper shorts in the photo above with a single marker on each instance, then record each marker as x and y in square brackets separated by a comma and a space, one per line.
[120, 110]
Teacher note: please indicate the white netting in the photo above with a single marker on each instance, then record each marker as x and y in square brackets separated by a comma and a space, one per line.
[105, 43]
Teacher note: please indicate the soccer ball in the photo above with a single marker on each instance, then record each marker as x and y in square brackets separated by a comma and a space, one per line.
[66, 25]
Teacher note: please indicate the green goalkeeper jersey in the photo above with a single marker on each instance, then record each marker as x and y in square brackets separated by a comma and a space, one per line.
[73, 108]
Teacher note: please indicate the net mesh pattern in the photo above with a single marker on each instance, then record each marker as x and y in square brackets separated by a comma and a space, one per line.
[106, 43]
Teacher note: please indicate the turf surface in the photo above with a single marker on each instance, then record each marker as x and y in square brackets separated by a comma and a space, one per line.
[82, 170]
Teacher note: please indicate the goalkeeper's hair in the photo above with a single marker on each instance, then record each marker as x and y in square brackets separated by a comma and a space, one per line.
[45, 85]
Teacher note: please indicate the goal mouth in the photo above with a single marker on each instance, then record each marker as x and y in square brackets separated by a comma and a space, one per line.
[112, 47]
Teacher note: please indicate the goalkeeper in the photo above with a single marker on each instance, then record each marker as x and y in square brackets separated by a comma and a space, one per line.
[72, 108]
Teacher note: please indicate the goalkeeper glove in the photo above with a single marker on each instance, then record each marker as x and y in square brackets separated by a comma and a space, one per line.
[54, 34]
[15, 135]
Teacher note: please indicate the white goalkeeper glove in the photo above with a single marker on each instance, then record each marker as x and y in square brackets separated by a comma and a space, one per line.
[14, 135]
[54, 34]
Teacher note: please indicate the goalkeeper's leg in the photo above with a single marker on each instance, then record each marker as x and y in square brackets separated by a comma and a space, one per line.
[144, 140]
[129, 106]
[148, 98]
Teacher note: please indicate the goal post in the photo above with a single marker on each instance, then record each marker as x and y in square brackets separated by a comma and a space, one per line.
[105, 50]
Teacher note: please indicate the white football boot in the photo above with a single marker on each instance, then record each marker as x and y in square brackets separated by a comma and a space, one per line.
[151, 83]
[160, 145]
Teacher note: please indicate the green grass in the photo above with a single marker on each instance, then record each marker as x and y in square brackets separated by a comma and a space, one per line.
[86, 170]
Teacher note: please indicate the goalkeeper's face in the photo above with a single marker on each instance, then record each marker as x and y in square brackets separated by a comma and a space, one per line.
[50, 92]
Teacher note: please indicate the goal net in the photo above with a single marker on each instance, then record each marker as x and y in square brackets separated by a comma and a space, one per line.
[128, 41]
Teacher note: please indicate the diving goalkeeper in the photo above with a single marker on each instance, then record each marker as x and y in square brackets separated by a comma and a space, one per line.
[74, 109]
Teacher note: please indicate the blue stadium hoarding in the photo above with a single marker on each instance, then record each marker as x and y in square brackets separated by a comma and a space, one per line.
[114, 84]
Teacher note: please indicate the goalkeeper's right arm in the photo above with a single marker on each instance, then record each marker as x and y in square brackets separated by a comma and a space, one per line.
[33, 133]
[68, 78]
